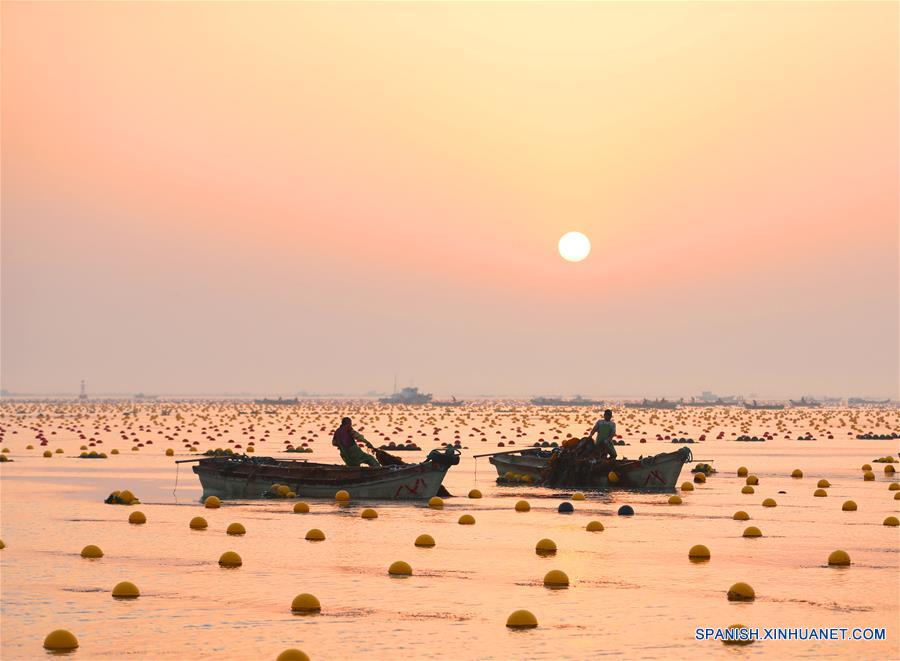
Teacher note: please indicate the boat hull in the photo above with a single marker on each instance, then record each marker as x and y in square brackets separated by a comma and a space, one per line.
[230, 480]
[657, 472]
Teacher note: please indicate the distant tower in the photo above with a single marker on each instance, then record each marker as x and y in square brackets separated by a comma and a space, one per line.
[82, 395]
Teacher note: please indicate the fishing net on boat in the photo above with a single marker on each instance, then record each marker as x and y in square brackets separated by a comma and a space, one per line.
[576, 464]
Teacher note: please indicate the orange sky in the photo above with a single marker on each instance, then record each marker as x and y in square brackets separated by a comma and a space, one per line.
[266, 197]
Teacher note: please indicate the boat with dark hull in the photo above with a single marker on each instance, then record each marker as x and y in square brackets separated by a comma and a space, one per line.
[578, 400]
[756, 406]
[239, 477]
[655, 472]
[277, 402]
[407, 396]
[805, 403]
[654, 404]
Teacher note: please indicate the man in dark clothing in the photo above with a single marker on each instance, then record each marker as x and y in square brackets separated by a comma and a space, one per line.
[345, 438]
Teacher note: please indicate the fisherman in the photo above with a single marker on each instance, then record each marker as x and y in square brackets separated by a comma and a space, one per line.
[345, 438]
[606, 436]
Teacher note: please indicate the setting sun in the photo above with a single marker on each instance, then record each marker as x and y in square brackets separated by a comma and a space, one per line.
[574, 246]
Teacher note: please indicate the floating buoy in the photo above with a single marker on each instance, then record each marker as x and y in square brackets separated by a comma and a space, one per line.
[212, 502]
[889, 470]
[230, 559]
[368, 513]
[198, 523]
[545, 546]
[2, 545]
[675, 500]
[700, 478]
[740, 515]
[522, 506]
[769, 502]
[521, 619]
[425, 541]
[742, 471]
[866, 467]
[342, 496]
[752, 531]
[60, 640]
[126, 590]
[305, 603]
[565, 508]
[436, 503]
[577, 496]
[400, 568]
[594, 526]
[823, 483]
[687, 486]
[556, 578]
[48, 454]
[820, 493]
[897, 496]
[741, 592]
[752, 480]
[236, 529]
[839, 559]
[137, 518]
[626, 510]
[796, 473]
[848, 506]
[292, 654]
[315, 535]
[868, 476]
[892, 521]
[698, 553]
[747, 489]
[467, 520]
[301, 508]
[91, 551]
[170, 452]
[612, 477]
[474, 493]
[739, 640]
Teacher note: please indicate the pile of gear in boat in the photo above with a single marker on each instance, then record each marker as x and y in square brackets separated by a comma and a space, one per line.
[878, 437]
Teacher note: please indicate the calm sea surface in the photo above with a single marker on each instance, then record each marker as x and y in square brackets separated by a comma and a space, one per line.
[633, 591]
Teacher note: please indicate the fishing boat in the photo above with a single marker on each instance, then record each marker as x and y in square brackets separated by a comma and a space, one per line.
[756, 406]
[658, 472]
[805, 403]
[407, 396]
[243, 477]
[653, 404]
[277, 402]
[578, 400]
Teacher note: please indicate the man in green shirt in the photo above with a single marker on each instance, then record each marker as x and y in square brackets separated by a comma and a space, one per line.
[606, 436]
[345, 438]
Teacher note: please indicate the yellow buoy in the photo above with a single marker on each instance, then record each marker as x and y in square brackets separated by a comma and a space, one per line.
[368, 513]
[137, 518]
[752, 531]
[796, 473]
[212, 502]
[897, 496]
[170, 452]
[687, 486]
[236, 529]
[467, 520]
[522, 506]
[198, 523]
[823, 483]
[91, 551]
[848, 506]
[126, 496]
[741, 592]
[60, 640]
[521, 619]
[613, 477]
[769, 502]
[675, 500]
[556, 578]
[839, 559]
[577, 496]
[820, 493]
[742, 471]
[425, 541]
[747, 489]
[301, 508]
[699, 478]
[740, 515]
[752, 480]
[48, 454]
[892, 521]
[545, 546]
[594, 526]
[889, 470]
[474, 493]
[436, 503]
[342, 496]
[126, 590]
[739, 640]
[292, 654]
[315, 535]
[866, 467]
[305, 603]
[230, 559]
[698, 553]
[2, 545]
[868, 476]
[400, 568]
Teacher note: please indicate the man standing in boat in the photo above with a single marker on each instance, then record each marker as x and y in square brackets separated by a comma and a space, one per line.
[606, 436]
[345, 438]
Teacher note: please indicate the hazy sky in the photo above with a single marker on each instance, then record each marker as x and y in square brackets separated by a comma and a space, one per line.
[268, 197]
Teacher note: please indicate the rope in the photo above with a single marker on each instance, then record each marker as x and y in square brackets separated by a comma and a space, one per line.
[176, 480]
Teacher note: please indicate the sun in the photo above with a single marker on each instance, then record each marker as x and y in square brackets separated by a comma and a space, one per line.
[574, 246]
